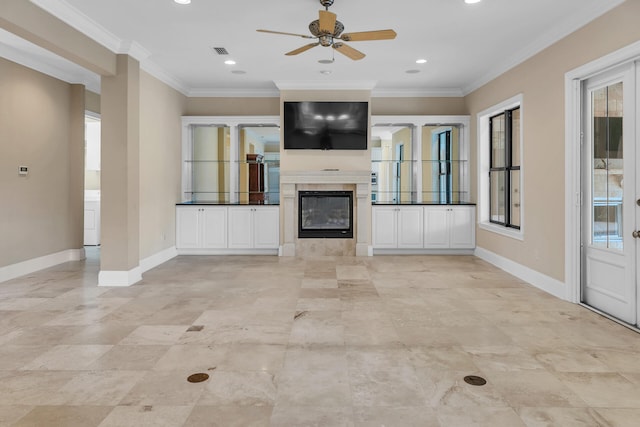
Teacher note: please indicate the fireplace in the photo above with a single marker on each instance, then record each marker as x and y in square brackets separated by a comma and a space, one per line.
[325, 214]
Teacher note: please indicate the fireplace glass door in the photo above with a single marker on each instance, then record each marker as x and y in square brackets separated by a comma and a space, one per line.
[325, 214]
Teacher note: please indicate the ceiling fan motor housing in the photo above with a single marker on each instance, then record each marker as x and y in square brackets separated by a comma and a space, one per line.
[314, 28]
[326, 3]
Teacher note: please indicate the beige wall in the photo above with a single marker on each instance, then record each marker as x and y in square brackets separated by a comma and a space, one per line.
[233, 107]
[37, 131]
[92, 102]
[454, 106]
[541, 81]
[160, 163]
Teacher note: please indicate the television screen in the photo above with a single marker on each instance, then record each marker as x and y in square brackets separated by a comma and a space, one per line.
[326, 125]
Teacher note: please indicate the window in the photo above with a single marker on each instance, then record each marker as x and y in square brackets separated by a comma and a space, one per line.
[504, 174]
[500, 179]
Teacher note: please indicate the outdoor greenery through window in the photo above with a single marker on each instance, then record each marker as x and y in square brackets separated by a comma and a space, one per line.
[504, 172]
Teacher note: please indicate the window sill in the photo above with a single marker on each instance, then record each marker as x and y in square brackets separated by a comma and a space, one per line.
[503, 231]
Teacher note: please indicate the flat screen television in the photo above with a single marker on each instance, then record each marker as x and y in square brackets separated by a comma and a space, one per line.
[316, 125]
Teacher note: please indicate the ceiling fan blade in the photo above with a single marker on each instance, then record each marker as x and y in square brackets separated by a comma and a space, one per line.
[327, 21]
[369, 35]
[302, 49]
[348, 51]
[286, 34]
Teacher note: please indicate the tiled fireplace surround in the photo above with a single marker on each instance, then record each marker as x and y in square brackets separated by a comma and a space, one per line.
[326, 180]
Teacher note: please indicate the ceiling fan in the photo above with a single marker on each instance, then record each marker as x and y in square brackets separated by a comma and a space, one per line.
[328, 31]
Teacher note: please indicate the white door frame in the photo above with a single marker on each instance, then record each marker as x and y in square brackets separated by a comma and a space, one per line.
[573, 136]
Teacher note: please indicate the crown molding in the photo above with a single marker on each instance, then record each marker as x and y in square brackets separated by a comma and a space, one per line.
[233, 93]
[159, 73]
[43, 61]
[325, 85]
[578, 19]
[417, 93]
[81, 22]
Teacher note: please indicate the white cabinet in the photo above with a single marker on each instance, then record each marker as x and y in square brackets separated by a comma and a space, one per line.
[254, 227]
[463, 227]
[202, 230]
[397, 227]
[449, 227]
[424, 227]
[201, 227]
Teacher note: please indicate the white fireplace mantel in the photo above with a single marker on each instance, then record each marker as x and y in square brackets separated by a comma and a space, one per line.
[289, 180]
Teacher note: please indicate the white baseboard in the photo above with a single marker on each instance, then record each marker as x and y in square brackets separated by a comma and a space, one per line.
[119, 278]
[155, 260]
[541, 281]
[32, 265]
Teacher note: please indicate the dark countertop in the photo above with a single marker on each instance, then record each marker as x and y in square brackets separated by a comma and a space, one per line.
[226, 204]
[423, 204]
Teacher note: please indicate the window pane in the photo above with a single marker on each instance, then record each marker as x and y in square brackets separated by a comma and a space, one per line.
[497, 141]
[514, 219]
[497, 196]
[515, 137]
[607, 173]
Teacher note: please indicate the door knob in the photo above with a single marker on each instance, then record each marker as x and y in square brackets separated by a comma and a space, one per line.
[635, 234]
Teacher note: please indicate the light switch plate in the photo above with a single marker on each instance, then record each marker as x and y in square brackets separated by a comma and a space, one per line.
[23, 170]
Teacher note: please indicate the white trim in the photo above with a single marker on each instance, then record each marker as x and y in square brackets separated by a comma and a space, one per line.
[541, 281]
[232, 93]
[445, 92]
[579, 18]
[81, 22]
[36, 58]
[482, 144]
[158, 258]
[323, 85]
[119, 278]
[385, 251]
[227, 251]
[572, 85]
[36, 264]
[502, 230]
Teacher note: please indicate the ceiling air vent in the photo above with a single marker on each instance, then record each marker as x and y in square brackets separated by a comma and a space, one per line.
[221, 51]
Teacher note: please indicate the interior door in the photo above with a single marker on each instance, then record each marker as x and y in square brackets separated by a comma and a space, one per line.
[609, 236]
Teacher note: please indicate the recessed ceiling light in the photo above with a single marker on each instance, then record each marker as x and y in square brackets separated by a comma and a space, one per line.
[421, 61]
[325, 72]
[230, 62]
[412, 71]
[182, 1]
[239, 72]
[472, 1]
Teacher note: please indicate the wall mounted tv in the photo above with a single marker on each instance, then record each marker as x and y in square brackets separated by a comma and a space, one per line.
[335, 125]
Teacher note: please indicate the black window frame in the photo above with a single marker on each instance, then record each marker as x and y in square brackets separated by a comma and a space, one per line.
[506, 169]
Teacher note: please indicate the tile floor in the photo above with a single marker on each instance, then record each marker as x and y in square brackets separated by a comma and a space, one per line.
[382, 341]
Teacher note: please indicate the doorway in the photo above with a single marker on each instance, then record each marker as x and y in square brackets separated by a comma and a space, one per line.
[610, 209]
[92, 129]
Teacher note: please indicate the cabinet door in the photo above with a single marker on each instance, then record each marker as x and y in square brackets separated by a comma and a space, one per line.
[463, 230]
[266, 227]
[214, 227]
[410, 226]
[240, 232]
[384, 227]
[436, 227]
[187, 227]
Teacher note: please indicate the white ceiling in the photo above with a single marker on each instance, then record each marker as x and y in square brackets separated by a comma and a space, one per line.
[465, 45]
